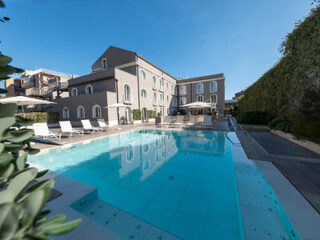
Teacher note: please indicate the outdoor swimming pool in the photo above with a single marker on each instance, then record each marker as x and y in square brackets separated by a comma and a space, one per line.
[184, 182]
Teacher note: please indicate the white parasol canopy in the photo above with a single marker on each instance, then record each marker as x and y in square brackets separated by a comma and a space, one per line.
[116, 105]
[199, 105]
[23, 101]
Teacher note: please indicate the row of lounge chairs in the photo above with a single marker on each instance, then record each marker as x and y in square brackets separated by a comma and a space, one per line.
[42, 130]
[201, 121]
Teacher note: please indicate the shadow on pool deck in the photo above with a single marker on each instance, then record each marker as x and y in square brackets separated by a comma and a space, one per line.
[300, 165]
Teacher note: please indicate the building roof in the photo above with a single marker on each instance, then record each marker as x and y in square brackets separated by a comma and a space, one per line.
[146, 60]
[214, 76]
[48, 71]
[92, 77]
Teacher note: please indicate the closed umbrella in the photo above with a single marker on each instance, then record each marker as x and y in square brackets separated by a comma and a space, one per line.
[23, 101]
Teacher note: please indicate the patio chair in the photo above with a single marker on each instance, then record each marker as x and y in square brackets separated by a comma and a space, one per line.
[102, 124]
[167, 120]
[207, 122]
[88, 127]
[179, 122]
[192, 121]
[42, 130]
[67, 129]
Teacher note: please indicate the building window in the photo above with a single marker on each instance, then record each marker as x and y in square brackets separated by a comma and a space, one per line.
[174, 101]
[143, 93]
[143, 74]
[182, 100]
[183, 90]
[154, 82]
[167, 98]
[200, 98]
[167, 85]
[127, 93]
[89, 89]
[80, 112]
[74, 92]
[200, 88]
[213, 86]
[213, 98]
[154, 98]
[104, 63]
[128, 114]
[65, 112]
[161, 98]
[96, 111]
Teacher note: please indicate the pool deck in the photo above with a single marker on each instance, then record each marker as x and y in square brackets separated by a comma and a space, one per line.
[290, 167]
[286, 168]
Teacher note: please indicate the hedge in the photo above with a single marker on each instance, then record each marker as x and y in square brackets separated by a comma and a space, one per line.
[49, 117]
[151, 114]
[136, 114]
[291, 88]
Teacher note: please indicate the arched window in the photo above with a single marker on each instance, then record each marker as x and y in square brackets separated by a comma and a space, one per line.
[127, 93]
[65, 112]
[89, 89]
[154, 98]
[183, 90]
[213, 98]
[154, 82]
[104, 63]
[143, 93]
[213, 86]
[96, 111]
[74, 92]
[80, 112]
[200, 88]
[142, 74]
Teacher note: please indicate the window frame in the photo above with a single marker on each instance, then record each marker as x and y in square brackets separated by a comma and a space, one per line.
[76, 90]
[68, 113]
[86, 89]
[125, 99]
[94, 111]
[216, 88]
[200, 92]
[84, 112]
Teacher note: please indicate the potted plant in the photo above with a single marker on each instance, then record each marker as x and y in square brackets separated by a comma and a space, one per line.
[158, 118]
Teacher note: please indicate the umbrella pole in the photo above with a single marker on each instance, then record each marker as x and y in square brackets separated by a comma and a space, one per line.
[24, 115]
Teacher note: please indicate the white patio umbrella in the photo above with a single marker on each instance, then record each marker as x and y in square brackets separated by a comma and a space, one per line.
[200, 105]
[117, 106]
[23, 101]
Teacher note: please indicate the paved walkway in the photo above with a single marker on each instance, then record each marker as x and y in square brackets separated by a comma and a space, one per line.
[299, 165]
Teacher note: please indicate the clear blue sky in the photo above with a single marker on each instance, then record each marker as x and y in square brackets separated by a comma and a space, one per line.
[193, 38]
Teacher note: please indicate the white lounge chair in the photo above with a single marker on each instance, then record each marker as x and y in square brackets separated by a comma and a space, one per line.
[42, 130]
[192, 121]
[88, 127]
[179, 121]
[166, 121]
[67, 129]
[102, 124]
[207, 121]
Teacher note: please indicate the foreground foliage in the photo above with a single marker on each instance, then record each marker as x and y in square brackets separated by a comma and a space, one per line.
[22, 196]
[291, 89]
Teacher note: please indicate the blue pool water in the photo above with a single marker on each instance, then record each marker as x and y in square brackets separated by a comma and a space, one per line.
[183, 182]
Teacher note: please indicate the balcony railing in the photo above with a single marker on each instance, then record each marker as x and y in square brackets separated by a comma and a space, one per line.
[27, 84]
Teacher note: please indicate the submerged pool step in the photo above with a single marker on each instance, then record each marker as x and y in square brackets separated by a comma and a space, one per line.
[115, 219]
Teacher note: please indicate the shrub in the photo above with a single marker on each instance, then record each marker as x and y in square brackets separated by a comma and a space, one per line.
[280, 123]
[253, 117]
[22, 194]
[48, 117]
[151, 114]
[136, 114]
